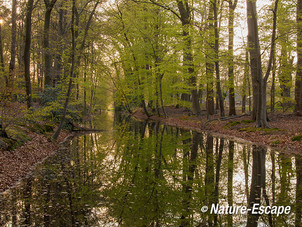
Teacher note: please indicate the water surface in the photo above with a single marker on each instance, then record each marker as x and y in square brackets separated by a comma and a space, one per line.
[147, 174]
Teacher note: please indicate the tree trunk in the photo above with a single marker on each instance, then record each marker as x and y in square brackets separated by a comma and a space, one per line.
[217, 70]
[230, 179]
[209, 63]
[58, 57]
[185, 17]
[285, 74]
[47, 56]
[13, 44]
[298, 86]
[259, 83]
[71, 73]
[298, 220]
[258, 177]
[2, 73]
[29, 10]
[273, 89]
[245, 82]
[232, 104]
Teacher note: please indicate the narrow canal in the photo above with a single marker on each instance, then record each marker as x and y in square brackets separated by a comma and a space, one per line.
[147, 174]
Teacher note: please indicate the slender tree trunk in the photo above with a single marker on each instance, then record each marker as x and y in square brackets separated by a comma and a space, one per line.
[245, 82]
[298, 220]
[217, 70]
[230, 179]
[209, 176]
[47, 56]
[2, 73]
[29, 10]
[12, 63]
[298, 86]
[185, 17]
[71, 74]
[273, 85]
[209, 63]
[285, 74]
[217, 175]
[58, 58]
[232, 104]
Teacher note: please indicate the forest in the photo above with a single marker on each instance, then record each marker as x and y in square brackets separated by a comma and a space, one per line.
[208, 56]
[232, 67]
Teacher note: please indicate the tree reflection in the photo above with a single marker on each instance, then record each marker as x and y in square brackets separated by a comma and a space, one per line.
[258, 179]
[148, 174]
[298, 220]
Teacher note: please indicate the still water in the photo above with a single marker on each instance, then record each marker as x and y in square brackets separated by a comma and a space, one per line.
[147, 174]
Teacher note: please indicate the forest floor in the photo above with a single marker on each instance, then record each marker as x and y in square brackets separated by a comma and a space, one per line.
[284, 134]
[24, 143]
[16, 164]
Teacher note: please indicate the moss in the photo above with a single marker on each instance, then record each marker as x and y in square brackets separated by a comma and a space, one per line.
[9, 142]
[18, 135]
[3, 144]
[12, 144]
[249, 129]
[247, 121]
[268, 131]
[265, 131]
[297, 138]
[184, 118]
[232, 124]
[275, 142]
[48, 128]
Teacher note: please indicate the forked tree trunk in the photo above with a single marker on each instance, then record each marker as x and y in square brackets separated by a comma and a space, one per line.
[259, 83]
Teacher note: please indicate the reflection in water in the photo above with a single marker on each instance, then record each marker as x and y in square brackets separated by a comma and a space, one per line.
[147, 174]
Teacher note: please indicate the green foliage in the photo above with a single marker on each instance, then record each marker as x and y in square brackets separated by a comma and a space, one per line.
[297, 138]
[49, 95]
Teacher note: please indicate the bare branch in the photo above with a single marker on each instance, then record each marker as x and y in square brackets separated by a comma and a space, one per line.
[160, 5]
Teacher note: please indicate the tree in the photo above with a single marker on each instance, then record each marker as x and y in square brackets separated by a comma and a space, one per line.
[13, 43]
[47, 56]
[259, 82]
[29, 10]
[77, 47]
[232, 104]
[217, 70]
[184, 14]
[1, 55]
[298, 85]
[210, 55]
[73, 49]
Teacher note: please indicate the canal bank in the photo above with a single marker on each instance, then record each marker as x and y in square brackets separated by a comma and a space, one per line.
[284, 134]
